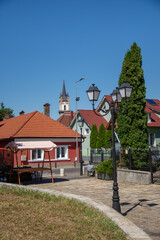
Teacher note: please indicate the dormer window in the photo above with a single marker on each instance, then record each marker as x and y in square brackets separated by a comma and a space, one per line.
[149, 118]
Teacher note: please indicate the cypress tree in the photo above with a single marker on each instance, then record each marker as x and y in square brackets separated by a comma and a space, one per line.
[132, 125]
[101, 136]
[108, 138]
[93, 136]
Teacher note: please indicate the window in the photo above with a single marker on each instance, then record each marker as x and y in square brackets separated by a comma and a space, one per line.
[62, 152]
[86, 131]
[151, 139]
[64, 107]
[149, 118]
[37, 154]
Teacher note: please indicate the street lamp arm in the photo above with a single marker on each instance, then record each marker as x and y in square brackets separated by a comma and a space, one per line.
[105, 111]
[101, 115]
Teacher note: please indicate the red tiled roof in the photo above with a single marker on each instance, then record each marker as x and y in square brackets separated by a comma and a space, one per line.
[65, 119]
[155, 121]
[148, 110]
[91, 118]
[34, 124]
[154, 107]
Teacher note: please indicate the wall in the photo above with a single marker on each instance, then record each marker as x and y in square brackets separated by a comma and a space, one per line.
[21, 154]
[134, 176]
[86, 143]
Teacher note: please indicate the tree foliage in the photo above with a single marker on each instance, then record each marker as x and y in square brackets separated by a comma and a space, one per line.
[132, 125]
[101, 137]
[108, 138]
[4, 110]
[93, 136]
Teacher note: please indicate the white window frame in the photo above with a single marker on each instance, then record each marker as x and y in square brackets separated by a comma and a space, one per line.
[154, 139]
[85, 131]
[61, 157]
[37, 159]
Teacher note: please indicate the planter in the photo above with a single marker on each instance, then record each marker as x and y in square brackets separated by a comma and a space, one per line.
[105, 176]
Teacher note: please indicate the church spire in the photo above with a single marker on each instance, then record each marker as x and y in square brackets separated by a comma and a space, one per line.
[64, 89]
[63, 100]
[64, 95]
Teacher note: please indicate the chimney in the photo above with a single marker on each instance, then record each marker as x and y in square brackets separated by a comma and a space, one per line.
[47, 109]
[6, 116]
[71, 115]
[21, 112]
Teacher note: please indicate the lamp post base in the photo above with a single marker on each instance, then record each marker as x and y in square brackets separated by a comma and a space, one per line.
[81, 167]
[115, 199]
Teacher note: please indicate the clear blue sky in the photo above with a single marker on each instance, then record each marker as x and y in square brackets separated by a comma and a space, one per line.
[43, 42]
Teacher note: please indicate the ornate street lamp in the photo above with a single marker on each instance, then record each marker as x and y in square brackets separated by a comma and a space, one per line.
[123, 92]
[81, 123]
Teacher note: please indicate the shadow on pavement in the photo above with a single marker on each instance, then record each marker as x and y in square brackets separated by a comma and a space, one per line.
[137, 204]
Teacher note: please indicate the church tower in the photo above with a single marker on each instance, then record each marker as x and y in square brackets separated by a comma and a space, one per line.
[63, 101]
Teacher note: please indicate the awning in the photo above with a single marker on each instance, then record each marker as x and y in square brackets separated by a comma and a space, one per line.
[24, 145]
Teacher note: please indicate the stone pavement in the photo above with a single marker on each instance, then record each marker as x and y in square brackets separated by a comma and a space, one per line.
[139, 203]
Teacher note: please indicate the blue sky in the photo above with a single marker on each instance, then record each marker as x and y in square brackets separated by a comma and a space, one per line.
[43, 42]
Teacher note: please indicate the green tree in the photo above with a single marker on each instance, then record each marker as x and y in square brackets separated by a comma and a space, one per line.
[132, 125]
[93, 136]
[108, 138]
[101, 136]
[4, 110]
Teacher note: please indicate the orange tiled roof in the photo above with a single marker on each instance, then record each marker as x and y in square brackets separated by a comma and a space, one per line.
[34, 124]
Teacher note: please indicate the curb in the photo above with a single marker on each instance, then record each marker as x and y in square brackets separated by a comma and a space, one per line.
[130, 229]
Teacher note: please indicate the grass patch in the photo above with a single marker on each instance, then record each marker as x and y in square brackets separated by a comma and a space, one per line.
[33, 215]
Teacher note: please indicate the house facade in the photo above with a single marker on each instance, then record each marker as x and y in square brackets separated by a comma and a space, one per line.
[36, 126]
[89, 118]
[153, 121]
[153, 115]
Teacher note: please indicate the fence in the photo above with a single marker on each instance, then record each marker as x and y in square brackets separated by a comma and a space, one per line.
[126, 158]
[99, 155]
[150, 161]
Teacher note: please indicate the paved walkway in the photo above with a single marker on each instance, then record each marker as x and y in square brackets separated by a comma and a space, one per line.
[139, 203]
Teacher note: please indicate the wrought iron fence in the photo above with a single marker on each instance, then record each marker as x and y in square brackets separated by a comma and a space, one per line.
[126, 158]
[150, 161]
[99, 155]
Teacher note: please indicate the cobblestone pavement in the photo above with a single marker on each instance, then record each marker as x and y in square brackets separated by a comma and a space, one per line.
[139, 203]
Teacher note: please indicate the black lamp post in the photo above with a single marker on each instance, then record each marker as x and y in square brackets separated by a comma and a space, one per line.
[81, 123]
[123, 92]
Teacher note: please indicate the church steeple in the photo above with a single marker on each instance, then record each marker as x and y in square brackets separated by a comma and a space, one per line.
[63, 100]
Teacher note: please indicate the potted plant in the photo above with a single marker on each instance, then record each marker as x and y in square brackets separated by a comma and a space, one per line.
[105, 170]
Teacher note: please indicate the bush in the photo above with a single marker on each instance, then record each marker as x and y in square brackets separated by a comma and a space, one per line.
[105, 166]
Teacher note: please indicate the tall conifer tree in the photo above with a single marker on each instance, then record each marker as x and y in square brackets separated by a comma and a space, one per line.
[101, 137]
[132, 125]
[93, 136]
